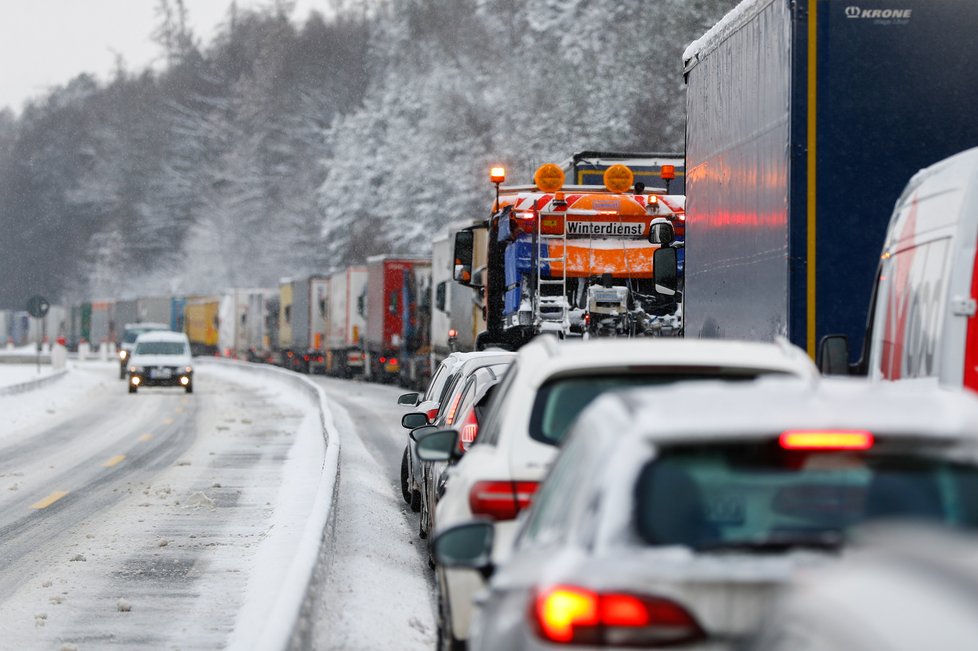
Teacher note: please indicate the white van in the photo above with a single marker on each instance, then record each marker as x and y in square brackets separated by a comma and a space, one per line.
[922, 321]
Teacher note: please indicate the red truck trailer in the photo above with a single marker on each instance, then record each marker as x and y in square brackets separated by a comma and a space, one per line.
[398, 308]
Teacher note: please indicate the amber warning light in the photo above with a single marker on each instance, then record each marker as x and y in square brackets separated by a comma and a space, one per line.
[826, 440]
[668, 172]
[497, 174]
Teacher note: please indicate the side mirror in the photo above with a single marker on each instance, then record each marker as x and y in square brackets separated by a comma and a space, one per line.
[420, 432]
[408, 399]
[833, 355]
[414, 420]
[464, 245]
[665, 268]
[440, 445]
[661, 231]
[467, 545]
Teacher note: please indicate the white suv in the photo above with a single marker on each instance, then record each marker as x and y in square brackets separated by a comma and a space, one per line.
[528, 418]
[161, 359]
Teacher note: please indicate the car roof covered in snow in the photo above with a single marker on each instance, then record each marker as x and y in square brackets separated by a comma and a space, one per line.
[546, 357]
[162, 335]
[758, 409]
[147, 326]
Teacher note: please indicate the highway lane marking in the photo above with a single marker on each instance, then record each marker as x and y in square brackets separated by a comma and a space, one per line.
[145, 437]
[114, 461]
[49, 500]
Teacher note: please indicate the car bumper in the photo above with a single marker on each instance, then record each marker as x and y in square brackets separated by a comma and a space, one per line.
[158, 379]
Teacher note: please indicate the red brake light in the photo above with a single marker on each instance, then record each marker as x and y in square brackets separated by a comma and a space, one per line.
[468, 431]
[305, 358]
[431, 413]
[826, 440]
[561, 609]
[383, 360]
[450, 416]
[573, 615]
[501, 500]
[393, 361]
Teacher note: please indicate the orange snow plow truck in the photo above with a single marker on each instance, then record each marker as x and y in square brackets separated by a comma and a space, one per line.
[575, 260]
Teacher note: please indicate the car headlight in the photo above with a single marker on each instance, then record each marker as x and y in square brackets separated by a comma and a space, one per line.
[136, 369]
[123, 354]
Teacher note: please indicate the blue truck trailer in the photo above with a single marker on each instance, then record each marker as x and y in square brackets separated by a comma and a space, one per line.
[805, 119]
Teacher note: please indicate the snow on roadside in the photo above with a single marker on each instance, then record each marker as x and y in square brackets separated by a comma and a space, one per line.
[11, 374]
[377, 594]
[52, 403]
[203, 546]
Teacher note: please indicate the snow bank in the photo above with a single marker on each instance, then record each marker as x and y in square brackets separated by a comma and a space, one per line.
[257, 625]
[21, 378]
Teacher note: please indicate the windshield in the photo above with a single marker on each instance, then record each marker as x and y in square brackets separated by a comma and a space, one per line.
[161, 348]
[560, 401]
[760, 496]
[131, 334]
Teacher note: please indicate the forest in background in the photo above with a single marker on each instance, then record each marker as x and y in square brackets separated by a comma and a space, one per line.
[283, 149]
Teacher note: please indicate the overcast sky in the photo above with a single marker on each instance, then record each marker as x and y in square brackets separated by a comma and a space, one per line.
[44, 43]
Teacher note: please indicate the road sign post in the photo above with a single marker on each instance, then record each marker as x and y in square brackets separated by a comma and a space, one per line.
[37, 307]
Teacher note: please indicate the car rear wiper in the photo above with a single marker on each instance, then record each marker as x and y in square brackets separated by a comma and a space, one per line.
[830, 541]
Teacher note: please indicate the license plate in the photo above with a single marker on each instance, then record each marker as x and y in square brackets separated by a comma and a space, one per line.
[160, 373]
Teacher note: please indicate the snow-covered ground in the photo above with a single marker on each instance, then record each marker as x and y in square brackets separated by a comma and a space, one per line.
[379, 591]
[11, 374]
[187, 551]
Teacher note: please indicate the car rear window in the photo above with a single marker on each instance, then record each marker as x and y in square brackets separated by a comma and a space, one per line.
[160, 348]
[761, 497]
[559, 401]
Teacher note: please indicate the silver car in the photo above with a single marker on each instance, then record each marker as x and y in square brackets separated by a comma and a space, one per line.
[672, 516]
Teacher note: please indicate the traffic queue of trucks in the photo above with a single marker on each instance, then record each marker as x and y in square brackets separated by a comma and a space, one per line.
[576, 260]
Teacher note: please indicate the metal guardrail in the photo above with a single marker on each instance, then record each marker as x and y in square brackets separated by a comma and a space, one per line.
[31, 385]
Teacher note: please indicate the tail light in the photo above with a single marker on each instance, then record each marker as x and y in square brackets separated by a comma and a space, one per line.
[826, 440]
[383, 360]
[431, 413]
[450, 416]
[501, 500]
[572, 615]
[468, 431]
[305, 358]
[393, 361]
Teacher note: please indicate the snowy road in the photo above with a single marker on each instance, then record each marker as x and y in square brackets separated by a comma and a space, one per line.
[378, 591]
[156, 520]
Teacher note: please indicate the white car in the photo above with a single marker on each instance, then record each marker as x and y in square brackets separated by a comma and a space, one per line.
[546, 387]
[673, 516]
[161, 359]
[435, 407]
[128, 341]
